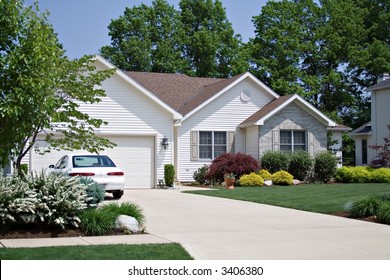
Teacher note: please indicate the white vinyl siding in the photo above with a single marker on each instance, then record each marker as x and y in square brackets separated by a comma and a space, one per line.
[252, 141]
[224, 114]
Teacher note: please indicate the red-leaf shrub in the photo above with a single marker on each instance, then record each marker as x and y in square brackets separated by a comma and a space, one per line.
[239, 164]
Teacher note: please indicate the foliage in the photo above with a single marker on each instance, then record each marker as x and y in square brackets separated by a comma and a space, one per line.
[17, 200]
[383, 158]
[362, 174]
[169, 174]
[265, 174]
[124, 208]
[380, 175]
[41, 89]
[383, 213]
[197, 40]
[326, 51]
[282, 178]
[251, 180]
[199, 175]
[95, 192]
[365, 207]
[46, 199]
[274, 161]
[239, 164]
[96, 222]
[325, 166]
[300, 165]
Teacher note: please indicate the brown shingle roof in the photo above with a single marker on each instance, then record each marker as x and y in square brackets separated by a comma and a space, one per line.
[267, 109]
[179, 91]
[383, 84]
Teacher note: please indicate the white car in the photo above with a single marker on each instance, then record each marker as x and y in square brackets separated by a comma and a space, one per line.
[100, 168]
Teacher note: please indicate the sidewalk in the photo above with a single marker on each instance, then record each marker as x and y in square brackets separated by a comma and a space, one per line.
[222, 229]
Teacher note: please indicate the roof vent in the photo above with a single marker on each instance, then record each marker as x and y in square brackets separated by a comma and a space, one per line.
[383, 77]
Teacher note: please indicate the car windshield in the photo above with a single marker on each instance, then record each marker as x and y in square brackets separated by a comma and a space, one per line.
[92, 161]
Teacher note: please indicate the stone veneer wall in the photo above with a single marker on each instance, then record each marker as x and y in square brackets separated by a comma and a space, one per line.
[293, 117]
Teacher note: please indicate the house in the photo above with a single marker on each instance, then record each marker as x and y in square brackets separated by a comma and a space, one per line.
[157, 119]
[373, 132]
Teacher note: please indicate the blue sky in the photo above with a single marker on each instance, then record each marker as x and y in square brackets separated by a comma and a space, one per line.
[81, 25]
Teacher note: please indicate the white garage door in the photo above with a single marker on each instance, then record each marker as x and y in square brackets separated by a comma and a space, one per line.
[134, 155]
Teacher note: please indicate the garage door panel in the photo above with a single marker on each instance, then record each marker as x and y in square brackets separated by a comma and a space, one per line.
[134, 155]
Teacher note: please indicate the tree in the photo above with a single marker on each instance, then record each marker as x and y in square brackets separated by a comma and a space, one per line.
[210, 45]
[146, 39]
[327, 52]
[41, 89]
[198, 40]
[383, 157]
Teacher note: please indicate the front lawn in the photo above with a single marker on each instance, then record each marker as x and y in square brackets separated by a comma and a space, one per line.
[321, 198]
[172, 251]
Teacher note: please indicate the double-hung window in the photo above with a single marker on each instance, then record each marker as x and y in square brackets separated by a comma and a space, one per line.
[212, 144]
[292, 140]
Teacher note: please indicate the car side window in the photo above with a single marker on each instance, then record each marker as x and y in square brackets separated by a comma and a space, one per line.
[61, 164]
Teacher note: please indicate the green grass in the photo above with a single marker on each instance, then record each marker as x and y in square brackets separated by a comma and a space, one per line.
[321, 198]
[171, 251]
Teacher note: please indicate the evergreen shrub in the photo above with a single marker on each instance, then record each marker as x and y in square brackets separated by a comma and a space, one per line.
[282, 178]
[300, 165]
[251, 180]
[275, 161]
[325, 166]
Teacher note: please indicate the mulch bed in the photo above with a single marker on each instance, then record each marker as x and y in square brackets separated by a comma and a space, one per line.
[33, 231]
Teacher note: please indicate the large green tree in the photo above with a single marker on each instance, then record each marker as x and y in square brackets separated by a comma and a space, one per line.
[41, 90]
[198, 40]
[327, 51]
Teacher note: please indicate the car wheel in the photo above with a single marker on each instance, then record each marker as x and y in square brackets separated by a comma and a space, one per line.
[117, 194]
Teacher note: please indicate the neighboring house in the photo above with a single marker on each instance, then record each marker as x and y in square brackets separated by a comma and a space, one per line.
[199, 119]
[7, 169]
[372, 133]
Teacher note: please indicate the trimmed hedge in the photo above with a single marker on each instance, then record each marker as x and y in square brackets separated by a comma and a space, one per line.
[362, 174]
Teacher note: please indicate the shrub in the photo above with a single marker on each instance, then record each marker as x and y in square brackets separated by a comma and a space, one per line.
[383, 214]
[325, 166]
[251, 180]
[96, 222]
[17, 200]
[275, 161]
[169, 174]
[239, 164]
[282, 178]
[95, 192]
[343, 174]
[380, 175]
[365, 207]
[124, 208]
[300, 165]
[60, 198]
[199, 176]
[265, 174]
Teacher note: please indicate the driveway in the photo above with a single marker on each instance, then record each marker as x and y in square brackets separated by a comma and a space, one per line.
[221, 229]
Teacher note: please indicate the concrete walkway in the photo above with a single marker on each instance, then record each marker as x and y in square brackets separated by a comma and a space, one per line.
[222, 229]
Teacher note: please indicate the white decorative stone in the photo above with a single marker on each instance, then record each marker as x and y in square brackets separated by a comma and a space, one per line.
[124, 222]
[296, 182]
[268, 183]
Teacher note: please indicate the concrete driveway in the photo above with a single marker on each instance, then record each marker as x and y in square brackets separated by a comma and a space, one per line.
[222, 229]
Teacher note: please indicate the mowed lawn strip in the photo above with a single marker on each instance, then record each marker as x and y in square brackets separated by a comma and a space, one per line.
[320, 198]
[171, 251]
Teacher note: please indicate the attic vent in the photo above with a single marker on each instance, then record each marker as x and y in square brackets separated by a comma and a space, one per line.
[245, 95]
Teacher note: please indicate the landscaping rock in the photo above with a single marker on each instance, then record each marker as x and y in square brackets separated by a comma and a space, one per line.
[123, 223]
[296, 182]
[268, 183]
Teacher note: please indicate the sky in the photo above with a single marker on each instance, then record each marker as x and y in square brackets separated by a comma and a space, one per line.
[81, 25]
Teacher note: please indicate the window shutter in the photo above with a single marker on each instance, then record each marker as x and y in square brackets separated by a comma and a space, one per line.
[310, 142]
[230, 141]
[275, 140]
[194, 145]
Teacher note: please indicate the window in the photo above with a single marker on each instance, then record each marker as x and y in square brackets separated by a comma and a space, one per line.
[212, 144]
[364, 151]
[292, 140]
